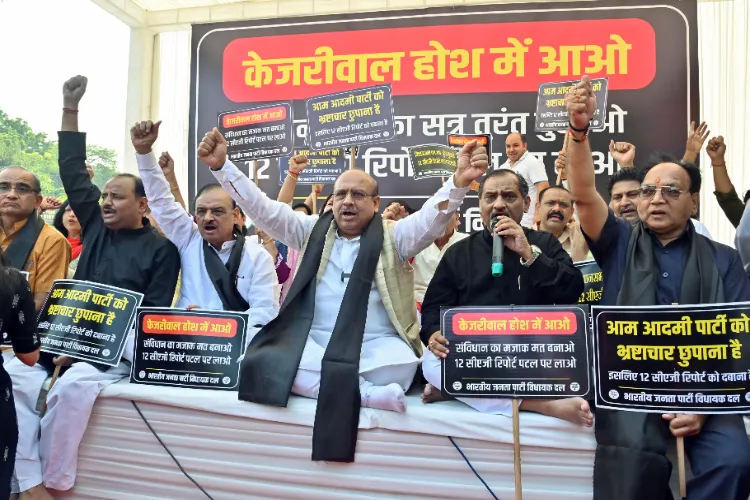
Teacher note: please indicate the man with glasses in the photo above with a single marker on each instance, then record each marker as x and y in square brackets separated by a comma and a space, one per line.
[661, 260]
[347, 333]
[29, 243]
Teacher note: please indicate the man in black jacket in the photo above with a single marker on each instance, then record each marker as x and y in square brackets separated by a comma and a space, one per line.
[121, 249]
[537, 271]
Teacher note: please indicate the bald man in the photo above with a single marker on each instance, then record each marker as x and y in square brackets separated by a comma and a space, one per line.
[529, 167]
[347, 333]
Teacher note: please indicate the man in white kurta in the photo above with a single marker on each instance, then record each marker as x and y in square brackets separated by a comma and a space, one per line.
[216, 215]
[387, 363]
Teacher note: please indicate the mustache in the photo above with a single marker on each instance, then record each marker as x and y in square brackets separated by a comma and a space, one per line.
[108, 209]
[496, 214]
[348, 208]
[555, 212]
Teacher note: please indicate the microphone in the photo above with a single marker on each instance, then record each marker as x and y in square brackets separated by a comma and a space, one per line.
[498, 248]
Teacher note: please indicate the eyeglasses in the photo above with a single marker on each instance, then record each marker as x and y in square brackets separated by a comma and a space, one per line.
[7, 187]
[648, 191]
[357, 195]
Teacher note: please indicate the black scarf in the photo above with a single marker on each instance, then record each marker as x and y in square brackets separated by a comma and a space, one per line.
[272, 358]
[224, 277]
[23, 242]
[630, 461]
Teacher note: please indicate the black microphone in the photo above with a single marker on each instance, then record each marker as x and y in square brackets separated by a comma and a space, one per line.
[498, 248]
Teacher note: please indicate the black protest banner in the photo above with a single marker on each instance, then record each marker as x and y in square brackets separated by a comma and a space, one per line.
[87, 321]
[260, 132]
[353, 118]
[198, 349]
[693, 359]
[457, 142]
[433, 160]
[593, 282]
[457, 70]
[323, 167]
[552, 114]
[522, 352]
[4, 337]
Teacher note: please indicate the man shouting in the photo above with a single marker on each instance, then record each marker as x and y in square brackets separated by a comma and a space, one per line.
[347, 333]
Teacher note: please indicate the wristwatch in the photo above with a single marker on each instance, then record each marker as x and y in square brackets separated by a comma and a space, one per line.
[535, 252]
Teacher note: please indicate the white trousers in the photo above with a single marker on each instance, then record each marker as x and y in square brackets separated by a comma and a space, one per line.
[27, 384]
[69, 406]
[496, 406]
[386, 371]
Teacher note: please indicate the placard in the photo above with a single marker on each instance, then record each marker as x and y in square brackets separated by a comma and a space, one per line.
[352, 118]
[433, 160]
[87, 321]
[552, 114]
[197, 348]
[688, 359]
[593, 282]
[516, 352]
[259, 132]
[457, 142]
[323, 167]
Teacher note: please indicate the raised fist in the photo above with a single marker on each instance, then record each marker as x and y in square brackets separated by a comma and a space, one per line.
[166, 163]
[623, 153]
[143, 135]
[212, 150]
[716, 150]
[73, 91]
[317, 189]
[581, 103]
[560, 165]
[90, 170]
[394, 211]
[50, 203]
[472, 164]
[297, 164]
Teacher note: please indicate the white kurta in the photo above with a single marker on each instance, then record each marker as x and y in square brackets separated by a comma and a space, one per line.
[256, 278]
[385, 357]
[533, 171]
[426, 262]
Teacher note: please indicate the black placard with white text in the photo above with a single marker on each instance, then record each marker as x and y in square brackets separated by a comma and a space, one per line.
[87, 321]
[519, 352]
[688, 359]
[197, 348]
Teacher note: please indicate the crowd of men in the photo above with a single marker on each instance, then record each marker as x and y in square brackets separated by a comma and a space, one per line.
[344, 304]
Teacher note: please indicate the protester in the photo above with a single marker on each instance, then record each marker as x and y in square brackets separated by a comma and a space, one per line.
[66, 223]
[352, 339]
[660, 260]
[527, 166]
[425, 262]
[18, 320]
[213, 249]
[537, 271]
[556, 214]
[28, 242]
[121, 249]
[725, 193]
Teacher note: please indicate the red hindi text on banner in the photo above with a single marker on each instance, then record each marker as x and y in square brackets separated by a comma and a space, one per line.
[515, 323]
[449, 59]
[172, 324]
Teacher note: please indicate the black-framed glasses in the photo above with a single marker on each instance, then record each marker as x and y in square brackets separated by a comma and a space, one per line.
[357, 195]
[20, 188]
[648, 191]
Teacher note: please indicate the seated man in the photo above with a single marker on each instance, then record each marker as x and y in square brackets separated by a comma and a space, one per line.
[26, 240]
[556, 216]
[212, 248]
[347, 333]
[425, 262]
[537, 271]
[121, 249]
[661, 260]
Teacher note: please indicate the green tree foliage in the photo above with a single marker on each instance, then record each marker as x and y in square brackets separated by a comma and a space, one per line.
[20, 145]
